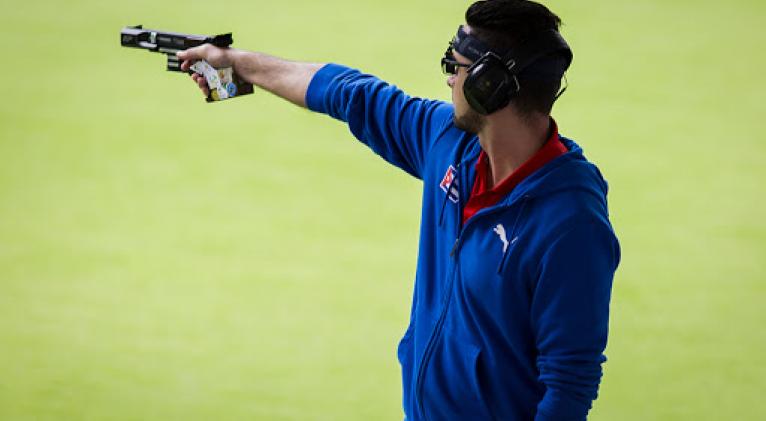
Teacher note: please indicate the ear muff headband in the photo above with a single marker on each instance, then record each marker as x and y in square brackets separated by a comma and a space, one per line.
[469, 46]
[492, 80]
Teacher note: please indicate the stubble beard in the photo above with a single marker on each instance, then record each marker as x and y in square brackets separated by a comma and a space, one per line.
[470, 121]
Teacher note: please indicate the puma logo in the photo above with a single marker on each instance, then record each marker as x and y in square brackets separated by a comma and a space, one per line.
[500, 231]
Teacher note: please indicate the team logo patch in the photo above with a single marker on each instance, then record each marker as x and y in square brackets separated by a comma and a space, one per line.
[449, 180]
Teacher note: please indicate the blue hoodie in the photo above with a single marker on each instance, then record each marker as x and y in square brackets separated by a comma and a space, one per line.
[510, 311]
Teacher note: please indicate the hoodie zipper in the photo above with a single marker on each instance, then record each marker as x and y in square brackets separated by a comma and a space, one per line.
[432, 340]
[447, 295]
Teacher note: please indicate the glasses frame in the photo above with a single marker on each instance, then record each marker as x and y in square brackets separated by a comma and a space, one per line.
[449, 64]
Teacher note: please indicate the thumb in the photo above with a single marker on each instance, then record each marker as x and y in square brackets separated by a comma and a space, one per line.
[195, 53]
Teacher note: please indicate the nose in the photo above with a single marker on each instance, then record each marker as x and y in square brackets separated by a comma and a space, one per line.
[451, 81]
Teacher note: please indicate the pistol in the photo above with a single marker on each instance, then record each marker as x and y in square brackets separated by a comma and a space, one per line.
[223, 83]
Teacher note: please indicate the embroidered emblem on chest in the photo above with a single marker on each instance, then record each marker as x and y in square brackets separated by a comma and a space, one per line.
[450, 184]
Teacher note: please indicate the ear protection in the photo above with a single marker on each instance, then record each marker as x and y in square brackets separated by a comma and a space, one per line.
[492, 80]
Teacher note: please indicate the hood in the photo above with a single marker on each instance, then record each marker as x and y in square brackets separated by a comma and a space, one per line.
[570, 171]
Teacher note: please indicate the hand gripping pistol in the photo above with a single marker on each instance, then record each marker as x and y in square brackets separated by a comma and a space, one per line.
[223, 83]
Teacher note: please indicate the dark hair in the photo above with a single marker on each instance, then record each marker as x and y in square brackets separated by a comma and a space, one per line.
[503, 25]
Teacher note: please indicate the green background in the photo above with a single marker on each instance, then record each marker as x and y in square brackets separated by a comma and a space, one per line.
[163, 258]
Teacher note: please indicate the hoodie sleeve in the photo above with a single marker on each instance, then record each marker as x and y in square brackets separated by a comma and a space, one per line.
[570, 316]
[399, 128]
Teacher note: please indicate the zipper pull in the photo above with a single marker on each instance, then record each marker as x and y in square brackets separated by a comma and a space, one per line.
[454, 247]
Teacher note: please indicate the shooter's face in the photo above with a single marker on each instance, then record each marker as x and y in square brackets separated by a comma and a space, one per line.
[465, 117]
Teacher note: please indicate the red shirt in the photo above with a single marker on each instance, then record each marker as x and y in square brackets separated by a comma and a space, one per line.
[482, 198]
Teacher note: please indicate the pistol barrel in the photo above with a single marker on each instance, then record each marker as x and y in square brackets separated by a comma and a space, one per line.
[167, 42]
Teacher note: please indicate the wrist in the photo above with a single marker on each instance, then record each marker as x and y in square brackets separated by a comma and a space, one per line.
[243, 63]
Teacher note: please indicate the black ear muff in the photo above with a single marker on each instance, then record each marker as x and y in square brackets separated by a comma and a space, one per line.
[490, 84]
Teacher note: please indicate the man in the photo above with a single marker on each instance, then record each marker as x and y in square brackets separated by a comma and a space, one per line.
[510, 308]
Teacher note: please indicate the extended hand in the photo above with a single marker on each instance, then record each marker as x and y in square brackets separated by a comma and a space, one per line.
[217, 57]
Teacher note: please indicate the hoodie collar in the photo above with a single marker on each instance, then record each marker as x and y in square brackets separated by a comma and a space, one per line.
[570, 171]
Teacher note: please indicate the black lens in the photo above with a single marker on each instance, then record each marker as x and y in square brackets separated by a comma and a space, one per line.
[448, 62]
[448, 66]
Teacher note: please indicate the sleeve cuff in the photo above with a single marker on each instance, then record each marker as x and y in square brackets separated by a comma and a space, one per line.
[317, 90]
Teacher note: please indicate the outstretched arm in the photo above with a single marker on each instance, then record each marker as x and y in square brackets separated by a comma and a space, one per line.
[396, 126]
[286, 79]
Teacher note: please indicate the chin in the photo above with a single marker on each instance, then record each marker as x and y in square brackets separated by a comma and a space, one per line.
[469, 121]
